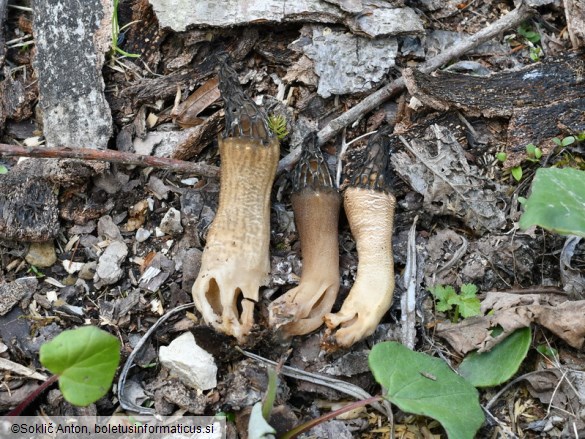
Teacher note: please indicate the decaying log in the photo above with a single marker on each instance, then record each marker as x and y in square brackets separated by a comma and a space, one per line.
[539, 99]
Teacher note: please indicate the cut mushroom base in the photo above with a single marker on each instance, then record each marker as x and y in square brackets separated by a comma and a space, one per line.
[235, 261]
[301, 309]
[371, 217]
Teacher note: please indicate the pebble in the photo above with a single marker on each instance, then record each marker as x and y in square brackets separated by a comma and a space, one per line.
[142, 234]
[171, 222]
[41, 254]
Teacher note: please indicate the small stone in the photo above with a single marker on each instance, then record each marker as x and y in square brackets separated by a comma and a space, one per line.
[158, 232]
[194, 366]
[108, 230]
[171, 223]
[87, 272]
[72, 267]
[142, 234]
[108, 270]
[41, 254]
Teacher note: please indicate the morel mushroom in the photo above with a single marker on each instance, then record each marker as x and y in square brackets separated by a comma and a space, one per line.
[235, 261]
[316, 207]
[369, 207]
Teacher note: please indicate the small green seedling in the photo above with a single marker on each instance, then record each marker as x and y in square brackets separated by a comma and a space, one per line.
[466, 304]
[526, 31]
[116, 31]
[277, 124]
[517, 172]
[569, 140]
[34, 270]
[533, 152]
[3, 169]
[501, 156]
[547, 351]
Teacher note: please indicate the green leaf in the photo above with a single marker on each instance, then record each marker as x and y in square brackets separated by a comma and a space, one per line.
[530, 148]
[547, 351]
[469, 307]
[501, 156]
[557, 141]
[537, 153]
[423, 385]
[568, 141]
[443, 295]
[498, 365]
[3, 169]
[468, 290]
[557, 202]
[517, 173]
[85, 359]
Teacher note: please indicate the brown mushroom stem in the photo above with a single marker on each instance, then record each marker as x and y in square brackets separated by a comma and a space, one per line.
[235, 261]
[316, 207]
[369, 207]
[371, 216]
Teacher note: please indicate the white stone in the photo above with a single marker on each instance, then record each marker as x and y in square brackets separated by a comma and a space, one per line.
[142, 234]
[194, 366]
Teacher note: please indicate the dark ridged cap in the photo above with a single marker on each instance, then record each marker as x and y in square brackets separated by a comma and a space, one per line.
[243, 118]
[375, 170]
[311, 171]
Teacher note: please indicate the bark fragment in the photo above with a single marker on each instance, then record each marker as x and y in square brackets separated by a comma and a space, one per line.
[70, 54]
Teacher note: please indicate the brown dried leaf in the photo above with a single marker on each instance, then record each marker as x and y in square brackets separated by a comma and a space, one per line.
[186, 113]
[511, 312]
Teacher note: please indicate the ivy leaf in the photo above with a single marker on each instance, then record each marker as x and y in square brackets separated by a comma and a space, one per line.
[423, 385]
[557, 201]
[498, 365]
[85, 359]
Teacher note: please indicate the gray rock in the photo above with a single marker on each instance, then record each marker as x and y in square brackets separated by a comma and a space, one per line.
[346, 63]
[171, 222]
[108, 230]
[108, 270]
[13, 292]
[194, 366]
[71, 39]
[142, 234]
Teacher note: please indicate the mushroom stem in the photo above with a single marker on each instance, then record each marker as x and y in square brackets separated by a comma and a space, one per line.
[316, 207]
[370, 211]
[235, 261]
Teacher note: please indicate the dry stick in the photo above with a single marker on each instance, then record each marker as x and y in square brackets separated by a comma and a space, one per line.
[514, 18]
[109, 155]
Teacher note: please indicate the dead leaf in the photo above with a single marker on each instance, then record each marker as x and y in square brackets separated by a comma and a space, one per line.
[186, 113]
[449, 184]
[565, 319]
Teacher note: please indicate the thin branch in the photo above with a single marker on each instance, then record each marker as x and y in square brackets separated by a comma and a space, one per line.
[510, 20]
[109, 155]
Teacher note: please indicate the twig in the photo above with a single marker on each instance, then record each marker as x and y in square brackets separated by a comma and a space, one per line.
[109, 155]
[514, 18]
[408, 301]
